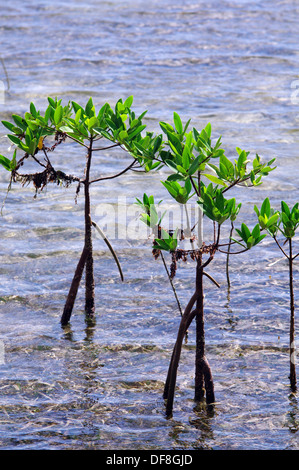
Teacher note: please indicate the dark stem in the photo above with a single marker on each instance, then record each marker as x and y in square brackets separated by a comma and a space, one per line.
[203, 371]
[169, 388]
[76, 140]
[89, 276]
[194, 187]
[107, 148]
[211, 279]
[203, 375]
[228, 253]
[68, 308]
[200, 335]
[292, 322]
[280, 247]
[234, 184]
[234, 252]
[114, 176]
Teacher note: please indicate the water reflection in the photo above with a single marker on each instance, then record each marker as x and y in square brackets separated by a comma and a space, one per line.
[293, 414]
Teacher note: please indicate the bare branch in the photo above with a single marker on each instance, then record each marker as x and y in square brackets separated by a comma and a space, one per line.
[233, 253]
[106, 148]
[114, 176]
[279, 246]
[211, 279]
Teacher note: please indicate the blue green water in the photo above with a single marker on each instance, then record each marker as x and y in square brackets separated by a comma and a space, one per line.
[232, 63]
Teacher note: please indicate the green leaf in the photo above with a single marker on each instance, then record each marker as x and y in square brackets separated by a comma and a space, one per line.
[266, 208]
[136, 131]
[5, 162]
[58, 115]
[20, 122]
[215, 180]
[129, 101]
[186, 126]
[48, 113]
[14, 139]
[262, 221]
[76, 107]
[178, 123]
[171, 188]
[89, 108]
[32, 146]
[104, 133]
[66, 129]
[242, 160]
[194, 165]
[52, 102]
[208, 129]
[173, 138]
[245, 232]
[186, 157]
[188, 185]
[145, 218]
[171, 164]
[13, 163]
[78, 116]
[11, 127]
[256, 232]
[166, 128]
[161, 245]
[123, 135]
[237, 241]
[260, 238]
[93, 122]
[285, 208]
[272, 220]
[175, 177]
[250, 242]
[33, 110]
[181, 169]
[256, 211]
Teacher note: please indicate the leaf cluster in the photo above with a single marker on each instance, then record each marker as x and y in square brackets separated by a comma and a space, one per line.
[285, 221]
[215, 206]
[150, 213]
[119, 125]
[190, 155]
[249, 238]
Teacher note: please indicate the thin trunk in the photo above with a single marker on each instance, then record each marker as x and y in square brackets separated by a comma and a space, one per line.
[203, 375]
[184, 325]
[292, 322]
[200, 218]
[89, 276]
[227, 257]
[68, 308]
[200, 335]
[169, 388]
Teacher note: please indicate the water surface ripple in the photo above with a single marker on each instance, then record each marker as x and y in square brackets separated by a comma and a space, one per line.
[231, 63]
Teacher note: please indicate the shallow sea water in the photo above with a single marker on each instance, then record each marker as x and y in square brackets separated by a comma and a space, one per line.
[231, 63]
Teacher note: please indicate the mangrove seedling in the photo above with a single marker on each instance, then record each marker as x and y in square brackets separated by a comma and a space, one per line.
[37, 135]
[200, 171]
[281, 226]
